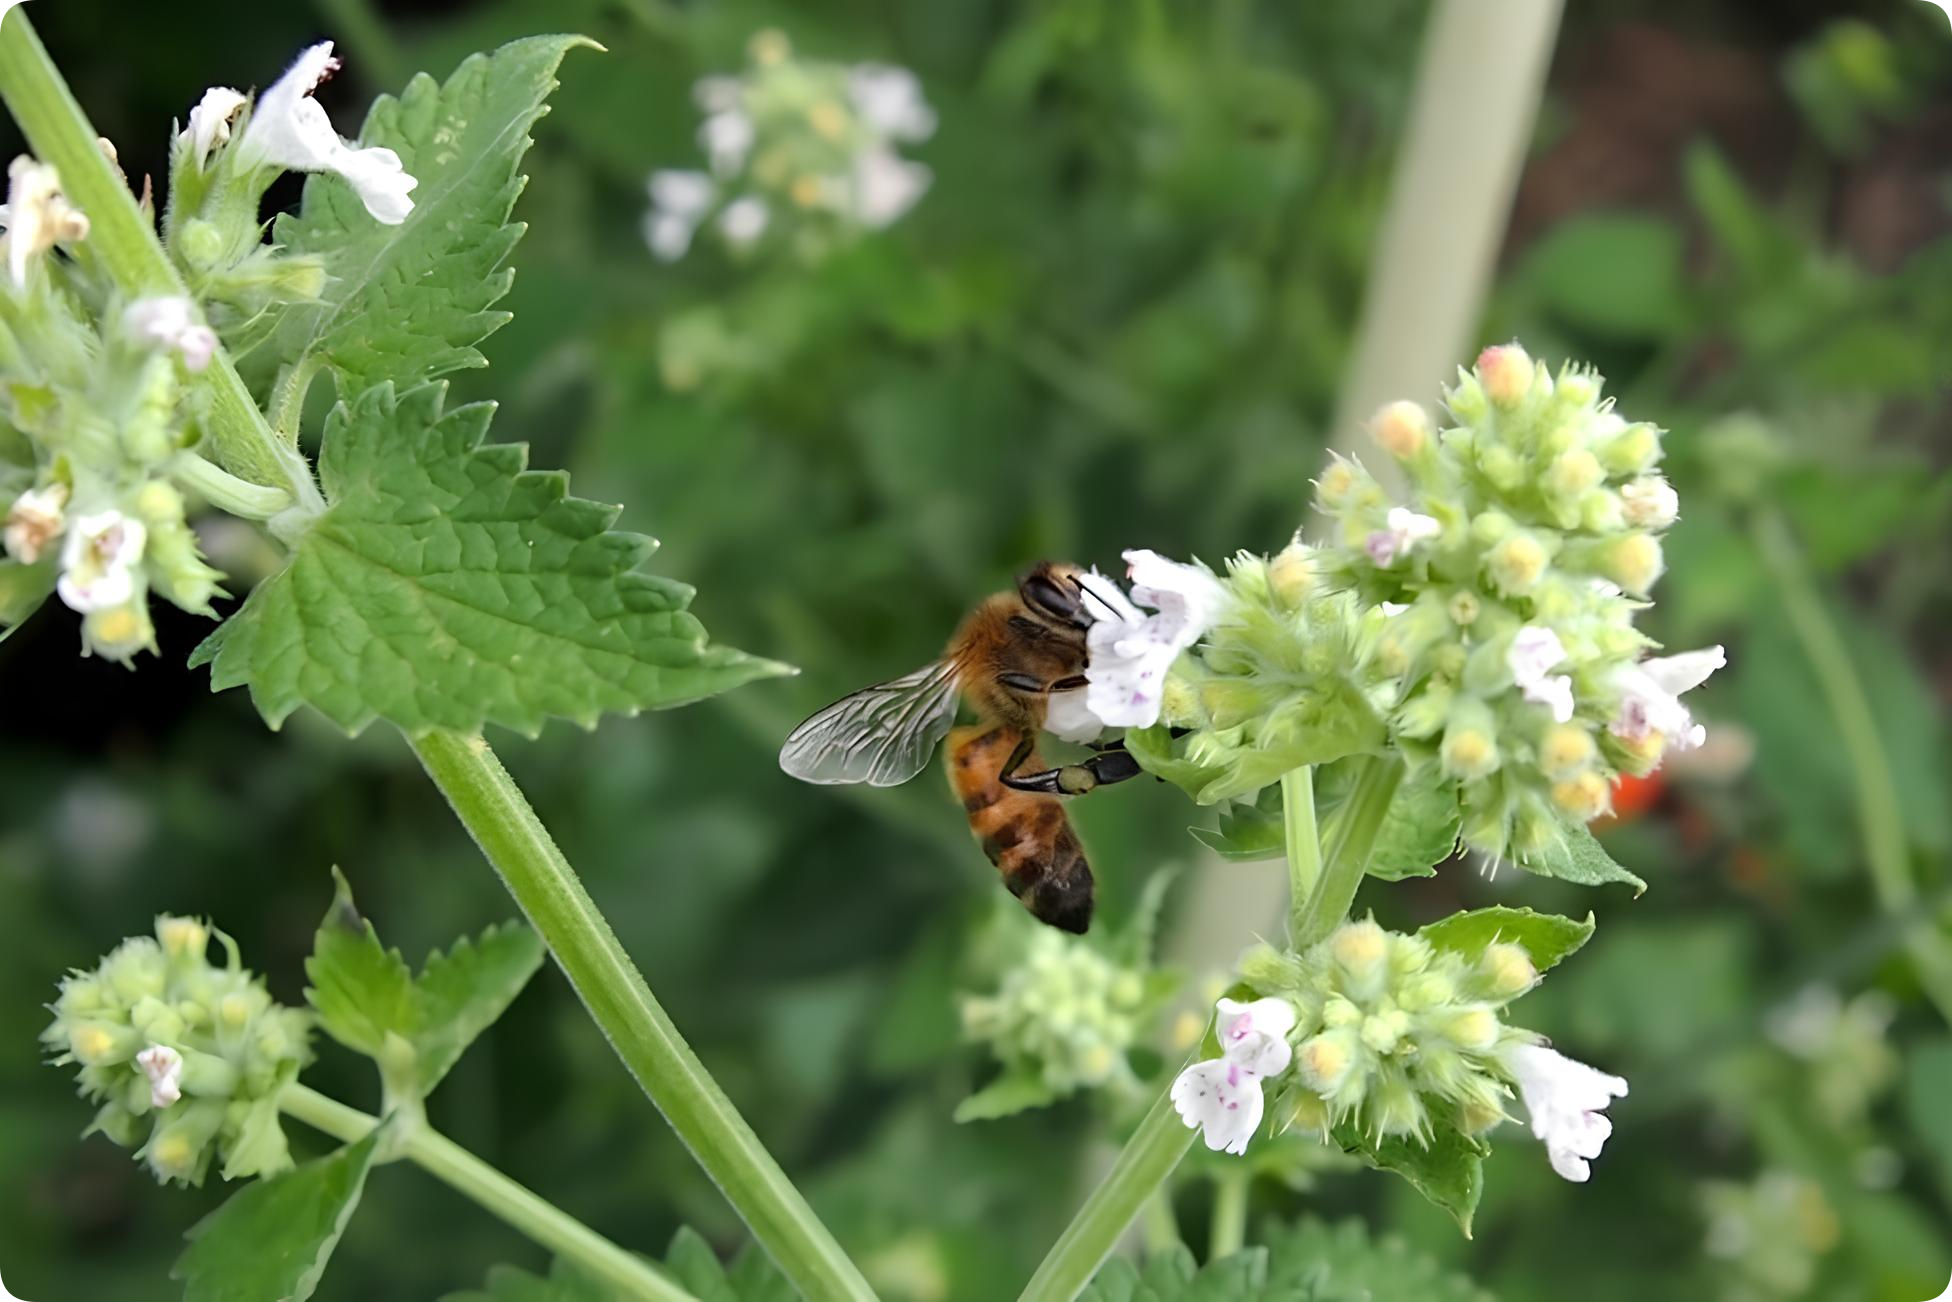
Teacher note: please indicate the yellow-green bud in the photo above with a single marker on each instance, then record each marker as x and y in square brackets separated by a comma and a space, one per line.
[1634, 562]
[1464, 607]
[1573, 473]
[1324, 1062]
[199, 242]
[769, 46]
[1628, 449]
[1517, 563]
[1291, 574]
[182, 937]
[1475, 1027]
[1506, 372]
[1584, 796]
[1403, 430]
[1359, 947]
[118, 632]
[1565, 750]
[1337, 482]
[1470, 746]
[1488, 528]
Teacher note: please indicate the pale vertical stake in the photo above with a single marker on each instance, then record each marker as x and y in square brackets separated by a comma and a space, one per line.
[1477, 93]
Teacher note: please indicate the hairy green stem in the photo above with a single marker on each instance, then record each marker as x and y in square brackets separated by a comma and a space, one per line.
[123, 239]
[226, 491]
[1228, 1233]
[1356, 828]
[1142, 1167]
[1304, 838]
[514, 840]
[462, 1171]
[1880, 819]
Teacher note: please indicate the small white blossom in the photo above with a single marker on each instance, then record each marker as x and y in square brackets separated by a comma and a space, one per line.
[170, 323]
[1649, 503]
[1564, 1099]
[1129, 652]
[886, 185]
[210, 121]
[726, 137]
[34, 521]
[1534, 652]
[38, 215]
[1405, 529]
[889, 100]
[288, 128]
[679, 202]
[743, 221]
[1068, 717]
[98, 563]
[1650, 697]
[164, 1068]
[1221, 1097]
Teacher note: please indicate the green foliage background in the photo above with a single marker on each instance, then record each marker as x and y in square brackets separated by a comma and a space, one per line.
[1118, 318]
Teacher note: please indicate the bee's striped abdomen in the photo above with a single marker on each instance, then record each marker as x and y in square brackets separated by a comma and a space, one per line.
[1026, 835]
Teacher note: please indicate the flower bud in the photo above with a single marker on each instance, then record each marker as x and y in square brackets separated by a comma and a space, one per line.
[1291, 574]
[200, 243]
[1516, 564]
[182, 938]
[1506, 371]
[118, 632]
[34, 520]
[1634, 562]
[1573, 473]
[1324, 1062]
[1403, 430]
[1566, 749]
[1463, 607]
[1629, 449]
[1470, 746]
[1583, 797]
[1359, 947]
[1472, 1027]
[1396, 1109]
[180, 1148]
[1649, 503]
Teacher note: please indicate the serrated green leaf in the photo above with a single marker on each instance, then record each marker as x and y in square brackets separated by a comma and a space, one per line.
[1420, 831]
[565, 1284]
[1547, 937]
[361, 990]
[1007, 1095]
[410, 302]
[1579, 857]
[1449, 1171]
[448, 587]
[461, 993]
[1247, 831]
[1309, 1262]
[416, 1028]
[271, 1241]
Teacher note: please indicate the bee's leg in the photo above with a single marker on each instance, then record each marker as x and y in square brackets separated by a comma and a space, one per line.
[1101, 770]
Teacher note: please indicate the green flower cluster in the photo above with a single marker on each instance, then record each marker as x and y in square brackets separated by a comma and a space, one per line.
[1281, 678]
[1508, 586]
[1065, 1015]
[1395, 1034]
[187, 1059]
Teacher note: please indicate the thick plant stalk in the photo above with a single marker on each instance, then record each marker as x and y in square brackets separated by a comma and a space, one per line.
[1477, 93]
[1880, 820]
[461, 1170]
[493, 809]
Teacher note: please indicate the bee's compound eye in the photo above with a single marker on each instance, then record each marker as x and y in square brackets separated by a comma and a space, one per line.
[1057, 600]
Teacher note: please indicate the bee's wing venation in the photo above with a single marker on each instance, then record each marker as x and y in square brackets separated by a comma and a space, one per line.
[881, 735]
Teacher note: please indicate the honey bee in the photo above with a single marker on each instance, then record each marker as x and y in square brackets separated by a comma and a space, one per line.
[1006, 660]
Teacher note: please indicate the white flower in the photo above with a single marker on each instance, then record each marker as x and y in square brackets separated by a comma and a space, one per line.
[1068, 717]
[889, 100]
[886, 185]
[170, 322]
[1564, 1099]
[99, 561]
[1649, 503]
[210, 121]
[1255, 1035]
[1222, 1096]
[679, 201]
[743, 221]
[1534, 652]
[164, 1068]
[1405, 529]
[1130, 652]
[34, 521]
[39, 216]
[1650, 697]
[288, 128]
[726, 137]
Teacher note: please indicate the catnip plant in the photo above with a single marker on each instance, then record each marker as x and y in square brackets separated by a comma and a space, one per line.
[1454, 669]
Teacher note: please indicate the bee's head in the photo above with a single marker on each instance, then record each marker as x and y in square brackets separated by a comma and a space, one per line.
[1053, 589]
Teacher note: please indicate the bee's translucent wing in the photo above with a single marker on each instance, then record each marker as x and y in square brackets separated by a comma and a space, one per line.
[881, 735]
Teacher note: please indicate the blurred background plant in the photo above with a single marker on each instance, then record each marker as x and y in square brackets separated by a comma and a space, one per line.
[1119, 315]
